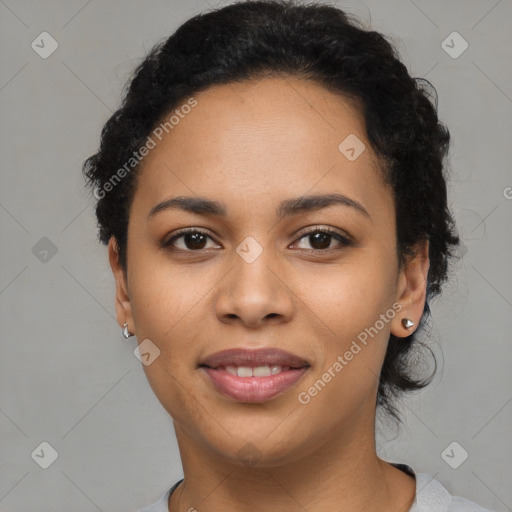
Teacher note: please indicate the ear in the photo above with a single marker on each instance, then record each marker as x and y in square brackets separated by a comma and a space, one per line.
[412, 290]
[123, 305]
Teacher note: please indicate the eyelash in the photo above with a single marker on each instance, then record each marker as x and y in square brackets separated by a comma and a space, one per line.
[344, 240]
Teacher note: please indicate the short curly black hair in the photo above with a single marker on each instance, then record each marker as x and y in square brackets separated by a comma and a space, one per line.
[259, 38]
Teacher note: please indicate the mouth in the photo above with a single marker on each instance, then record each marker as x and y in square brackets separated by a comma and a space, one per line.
[253, 375]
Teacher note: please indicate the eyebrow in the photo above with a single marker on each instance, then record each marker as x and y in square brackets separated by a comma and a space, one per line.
[287, 208]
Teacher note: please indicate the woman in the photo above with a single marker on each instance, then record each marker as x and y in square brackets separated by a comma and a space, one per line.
[272, 195]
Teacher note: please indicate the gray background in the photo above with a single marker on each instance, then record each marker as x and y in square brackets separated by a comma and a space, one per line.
[68, 377]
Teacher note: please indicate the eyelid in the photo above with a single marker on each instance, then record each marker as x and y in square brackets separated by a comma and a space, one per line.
[326, 229]
[183, 231]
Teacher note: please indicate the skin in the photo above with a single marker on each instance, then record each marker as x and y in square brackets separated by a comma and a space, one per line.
[250, 146]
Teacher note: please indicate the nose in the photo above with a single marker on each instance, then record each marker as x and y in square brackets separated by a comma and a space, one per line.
[255, 293]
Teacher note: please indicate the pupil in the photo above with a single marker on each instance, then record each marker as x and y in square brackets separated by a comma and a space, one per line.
[321, 237]
[196, 240]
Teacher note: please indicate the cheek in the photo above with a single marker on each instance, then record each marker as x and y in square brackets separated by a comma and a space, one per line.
[350, 296]
[166, 299]
[347, 305]
[169, 308]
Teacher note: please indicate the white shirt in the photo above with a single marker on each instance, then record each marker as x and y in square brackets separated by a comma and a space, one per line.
[431, 496]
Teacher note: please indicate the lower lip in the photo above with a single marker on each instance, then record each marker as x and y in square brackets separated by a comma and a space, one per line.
[254, 389]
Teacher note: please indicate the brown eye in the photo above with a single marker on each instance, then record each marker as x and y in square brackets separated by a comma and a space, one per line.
[189, 240]
[321, 239]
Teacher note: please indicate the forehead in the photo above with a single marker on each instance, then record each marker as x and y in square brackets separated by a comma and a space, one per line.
[272, 137]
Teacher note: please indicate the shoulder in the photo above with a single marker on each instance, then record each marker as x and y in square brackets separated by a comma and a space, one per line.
[432, 496]
[459, 504]
[162, 505]
[159, 506]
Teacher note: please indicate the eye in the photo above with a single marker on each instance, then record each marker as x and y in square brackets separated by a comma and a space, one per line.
[320, 239]
[191, 239]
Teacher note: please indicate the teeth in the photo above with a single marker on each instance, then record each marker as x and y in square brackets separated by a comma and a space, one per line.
[244, 371]
[261, 371]
[258, 371]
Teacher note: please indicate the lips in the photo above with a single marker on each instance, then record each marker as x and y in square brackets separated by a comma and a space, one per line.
[253, 375]
[254, 358]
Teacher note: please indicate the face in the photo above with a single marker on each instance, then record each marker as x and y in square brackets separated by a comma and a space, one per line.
[258, 269]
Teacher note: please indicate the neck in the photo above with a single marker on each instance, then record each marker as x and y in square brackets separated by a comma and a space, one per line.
[342, 473]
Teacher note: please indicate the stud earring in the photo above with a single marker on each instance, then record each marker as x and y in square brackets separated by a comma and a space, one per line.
[126, 332]
[407, 323]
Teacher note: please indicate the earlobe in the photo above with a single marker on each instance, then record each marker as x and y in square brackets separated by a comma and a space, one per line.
[123, 304]
[412, 291]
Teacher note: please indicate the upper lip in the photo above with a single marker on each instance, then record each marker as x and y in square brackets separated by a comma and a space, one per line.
[253, 358]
